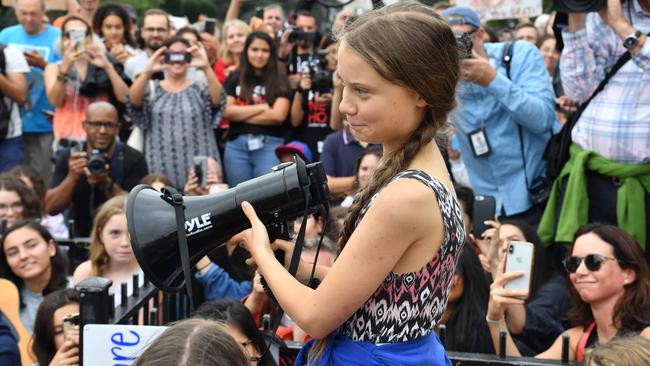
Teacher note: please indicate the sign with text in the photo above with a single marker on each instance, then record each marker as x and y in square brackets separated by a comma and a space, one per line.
[503, 9]
[116, 345]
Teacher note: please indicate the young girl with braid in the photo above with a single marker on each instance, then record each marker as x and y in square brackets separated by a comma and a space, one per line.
[382, 298]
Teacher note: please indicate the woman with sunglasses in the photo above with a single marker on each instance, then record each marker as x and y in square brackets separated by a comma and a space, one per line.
[85, 75]
[176, 114]
[609, 289]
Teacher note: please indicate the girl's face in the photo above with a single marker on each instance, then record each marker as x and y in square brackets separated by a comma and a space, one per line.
[28, 254]
[367, 168]
[550, 54]
[376, 110]
[176, 68]
[11, 207]
[258, 54]
[57, 320]
[115, 238]
[235, 39]
[607, 283]
[77, 25]
[113, 30]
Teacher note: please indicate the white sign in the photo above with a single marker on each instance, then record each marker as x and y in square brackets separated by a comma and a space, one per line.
[116, 345]
[503, 9]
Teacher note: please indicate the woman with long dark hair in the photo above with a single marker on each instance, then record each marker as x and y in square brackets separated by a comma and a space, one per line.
[258, 104]
[609, 290]
[31, 260]
[50, 346]
[112, 23]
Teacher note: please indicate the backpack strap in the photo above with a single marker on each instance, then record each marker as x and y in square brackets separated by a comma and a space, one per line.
[506, 56]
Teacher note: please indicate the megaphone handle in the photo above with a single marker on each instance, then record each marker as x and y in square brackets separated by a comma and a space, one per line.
[173, 197]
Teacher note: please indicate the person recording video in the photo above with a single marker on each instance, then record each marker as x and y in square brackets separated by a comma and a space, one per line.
[87, 175]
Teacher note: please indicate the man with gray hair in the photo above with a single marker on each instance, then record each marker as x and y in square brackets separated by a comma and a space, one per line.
[36, 40]
[274, 17]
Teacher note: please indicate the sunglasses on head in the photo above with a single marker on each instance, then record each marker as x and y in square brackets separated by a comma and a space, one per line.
[592, 262]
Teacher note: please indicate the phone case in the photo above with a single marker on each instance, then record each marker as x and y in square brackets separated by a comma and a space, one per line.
[484, 209]
[519, 258]
[202, 161]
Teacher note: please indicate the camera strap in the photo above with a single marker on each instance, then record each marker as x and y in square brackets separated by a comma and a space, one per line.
[174, 198]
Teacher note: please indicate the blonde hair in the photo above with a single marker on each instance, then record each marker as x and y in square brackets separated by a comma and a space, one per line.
[227, 56]
[625, 351]
[99, 258]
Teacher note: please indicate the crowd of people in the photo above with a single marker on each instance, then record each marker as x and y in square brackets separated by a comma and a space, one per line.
[416, 113]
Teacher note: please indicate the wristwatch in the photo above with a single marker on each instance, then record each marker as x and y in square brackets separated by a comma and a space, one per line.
[632, 40]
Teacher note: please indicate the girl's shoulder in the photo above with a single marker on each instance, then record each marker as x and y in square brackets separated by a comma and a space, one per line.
[82, 272]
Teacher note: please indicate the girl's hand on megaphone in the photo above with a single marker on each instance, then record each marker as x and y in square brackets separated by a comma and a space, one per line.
[287, 247]
[256, 239]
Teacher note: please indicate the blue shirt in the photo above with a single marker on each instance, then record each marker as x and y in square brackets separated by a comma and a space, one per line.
[527, 101]
[217, 284]
[34, 120]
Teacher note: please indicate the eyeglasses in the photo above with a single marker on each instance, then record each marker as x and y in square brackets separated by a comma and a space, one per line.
[592, 262]
[155, 30]
[16, 207]
[96, 125]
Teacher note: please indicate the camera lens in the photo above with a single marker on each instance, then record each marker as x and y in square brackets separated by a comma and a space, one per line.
[511, 249]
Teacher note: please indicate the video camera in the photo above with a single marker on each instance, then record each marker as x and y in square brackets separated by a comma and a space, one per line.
[298, 35]
[321, 77]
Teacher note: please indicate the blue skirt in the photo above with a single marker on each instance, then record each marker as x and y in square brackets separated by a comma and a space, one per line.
[341, 350]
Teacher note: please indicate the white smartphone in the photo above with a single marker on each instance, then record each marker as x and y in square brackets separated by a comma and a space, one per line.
[519, 258]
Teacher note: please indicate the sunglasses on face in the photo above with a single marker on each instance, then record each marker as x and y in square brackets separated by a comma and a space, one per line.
[592, 262]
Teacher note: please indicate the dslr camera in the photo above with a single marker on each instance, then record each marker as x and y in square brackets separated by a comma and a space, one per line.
[97, 161]
[578, 6]
[465, 44]
[321, 77]
[298, 35]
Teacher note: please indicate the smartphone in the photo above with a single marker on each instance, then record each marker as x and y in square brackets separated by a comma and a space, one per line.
[519, 258]
[484, 209]
[201, 169]
[209, 25]
[259, 12]
[78, 36]
[69, 322]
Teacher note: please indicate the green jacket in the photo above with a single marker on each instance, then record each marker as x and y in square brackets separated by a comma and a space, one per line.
[630, 204]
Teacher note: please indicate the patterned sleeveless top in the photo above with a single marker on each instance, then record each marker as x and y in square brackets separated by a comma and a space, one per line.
[408, 306]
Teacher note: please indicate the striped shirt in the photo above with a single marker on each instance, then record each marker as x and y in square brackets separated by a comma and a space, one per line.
[616, 124]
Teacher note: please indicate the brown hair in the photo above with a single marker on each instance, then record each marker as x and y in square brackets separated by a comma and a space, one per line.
[625, 351]
[70, 18]
[632, 313]
[31, 203]
[152, 178]
[194, 342]
[415, 33]
[38, 184]
[158, 12]
[99, 258]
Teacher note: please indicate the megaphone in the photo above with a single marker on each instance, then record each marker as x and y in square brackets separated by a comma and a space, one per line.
[282, 195]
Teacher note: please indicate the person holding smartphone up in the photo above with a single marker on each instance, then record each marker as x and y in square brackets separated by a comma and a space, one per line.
[403, 234]
[609, 282]
[176, 114]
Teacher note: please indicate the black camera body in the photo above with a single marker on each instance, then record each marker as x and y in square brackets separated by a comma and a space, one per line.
[298, 35]
[321, 77]
[97, 161]
[465, 44]
[578, 6]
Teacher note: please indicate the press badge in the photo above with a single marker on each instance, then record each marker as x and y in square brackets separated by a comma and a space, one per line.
[479, 142]
[255, 142]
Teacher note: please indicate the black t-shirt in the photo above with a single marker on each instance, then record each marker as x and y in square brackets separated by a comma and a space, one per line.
[232, 88]
[315, 124]
[86, 199]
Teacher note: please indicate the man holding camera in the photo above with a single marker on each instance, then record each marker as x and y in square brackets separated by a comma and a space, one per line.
[607, 177]
[83, 180]
[155, 32]
[504, 121]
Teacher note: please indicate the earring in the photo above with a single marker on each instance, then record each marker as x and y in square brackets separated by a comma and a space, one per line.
[625, 281]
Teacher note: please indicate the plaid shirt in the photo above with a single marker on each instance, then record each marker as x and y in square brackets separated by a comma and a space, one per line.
[616, 124]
